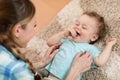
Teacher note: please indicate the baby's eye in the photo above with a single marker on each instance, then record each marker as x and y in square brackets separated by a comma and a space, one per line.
[84, 27]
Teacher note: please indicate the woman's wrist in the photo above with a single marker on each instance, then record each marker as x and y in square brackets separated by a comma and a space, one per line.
[38, 65]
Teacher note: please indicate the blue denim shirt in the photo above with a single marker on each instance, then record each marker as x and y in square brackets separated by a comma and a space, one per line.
[12, 68]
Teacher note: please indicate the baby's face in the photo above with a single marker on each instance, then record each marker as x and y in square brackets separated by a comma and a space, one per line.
[86, 29]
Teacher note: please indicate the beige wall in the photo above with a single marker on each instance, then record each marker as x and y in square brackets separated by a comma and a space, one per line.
[46, 10]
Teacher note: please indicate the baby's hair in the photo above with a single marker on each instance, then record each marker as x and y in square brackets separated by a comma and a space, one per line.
[102, 26]
[11, 13]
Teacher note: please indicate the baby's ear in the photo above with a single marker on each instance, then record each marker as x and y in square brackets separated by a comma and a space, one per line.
[94, 37]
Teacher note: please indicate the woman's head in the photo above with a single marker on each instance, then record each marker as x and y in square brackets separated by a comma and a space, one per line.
[17, 26]
[90, 27]
[15, 16]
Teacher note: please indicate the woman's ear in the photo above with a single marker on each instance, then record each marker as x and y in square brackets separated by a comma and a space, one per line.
[17, 30]
[94, 37]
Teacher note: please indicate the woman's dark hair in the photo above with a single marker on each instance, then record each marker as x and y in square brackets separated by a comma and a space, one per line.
[11, 13]
[102, 26]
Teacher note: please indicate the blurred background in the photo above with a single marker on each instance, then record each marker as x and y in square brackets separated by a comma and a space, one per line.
[46, 10]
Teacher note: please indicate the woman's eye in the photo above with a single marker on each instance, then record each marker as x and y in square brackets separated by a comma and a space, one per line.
[35, 25]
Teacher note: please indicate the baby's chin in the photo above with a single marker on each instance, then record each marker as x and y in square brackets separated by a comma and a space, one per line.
[78, 41]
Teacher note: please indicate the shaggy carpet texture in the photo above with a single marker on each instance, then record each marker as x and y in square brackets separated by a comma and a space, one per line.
[109, 9]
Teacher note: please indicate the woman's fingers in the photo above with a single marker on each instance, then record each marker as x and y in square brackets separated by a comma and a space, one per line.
[82, 61]
[79, 54]
[88, 57]
[54, 53]
[53, 48]
[50, 54]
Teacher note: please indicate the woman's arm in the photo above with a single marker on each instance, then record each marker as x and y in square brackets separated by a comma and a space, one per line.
[80, 64]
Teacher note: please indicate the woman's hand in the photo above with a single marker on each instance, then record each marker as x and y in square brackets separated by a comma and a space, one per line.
[80, 64]
[49, 55]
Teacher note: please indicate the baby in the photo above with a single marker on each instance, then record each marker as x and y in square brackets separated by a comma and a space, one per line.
[88, 29]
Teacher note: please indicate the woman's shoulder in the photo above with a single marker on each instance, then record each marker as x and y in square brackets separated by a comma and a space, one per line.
[15, 69]
[7, 58]
[5, 54]
[13, 65]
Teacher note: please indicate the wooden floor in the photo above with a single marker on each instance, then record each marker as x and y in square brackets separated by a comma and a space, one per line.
[46, 10]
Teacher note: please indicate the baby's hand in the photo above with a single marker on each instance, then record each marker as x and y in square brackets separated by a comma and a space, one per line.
[111, 41]
[72, 32]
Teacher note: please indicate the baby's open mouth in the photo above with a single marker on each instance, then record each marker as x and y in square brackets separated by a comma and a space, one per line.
[77, 33]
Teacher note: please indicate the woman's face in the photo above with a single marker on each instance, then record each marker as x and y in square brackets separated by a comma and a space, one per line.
[26, 34]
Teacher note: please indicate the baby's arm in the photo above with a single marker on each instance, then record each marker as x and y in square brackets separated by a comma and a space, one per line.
[103, 57]
[57, 37]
